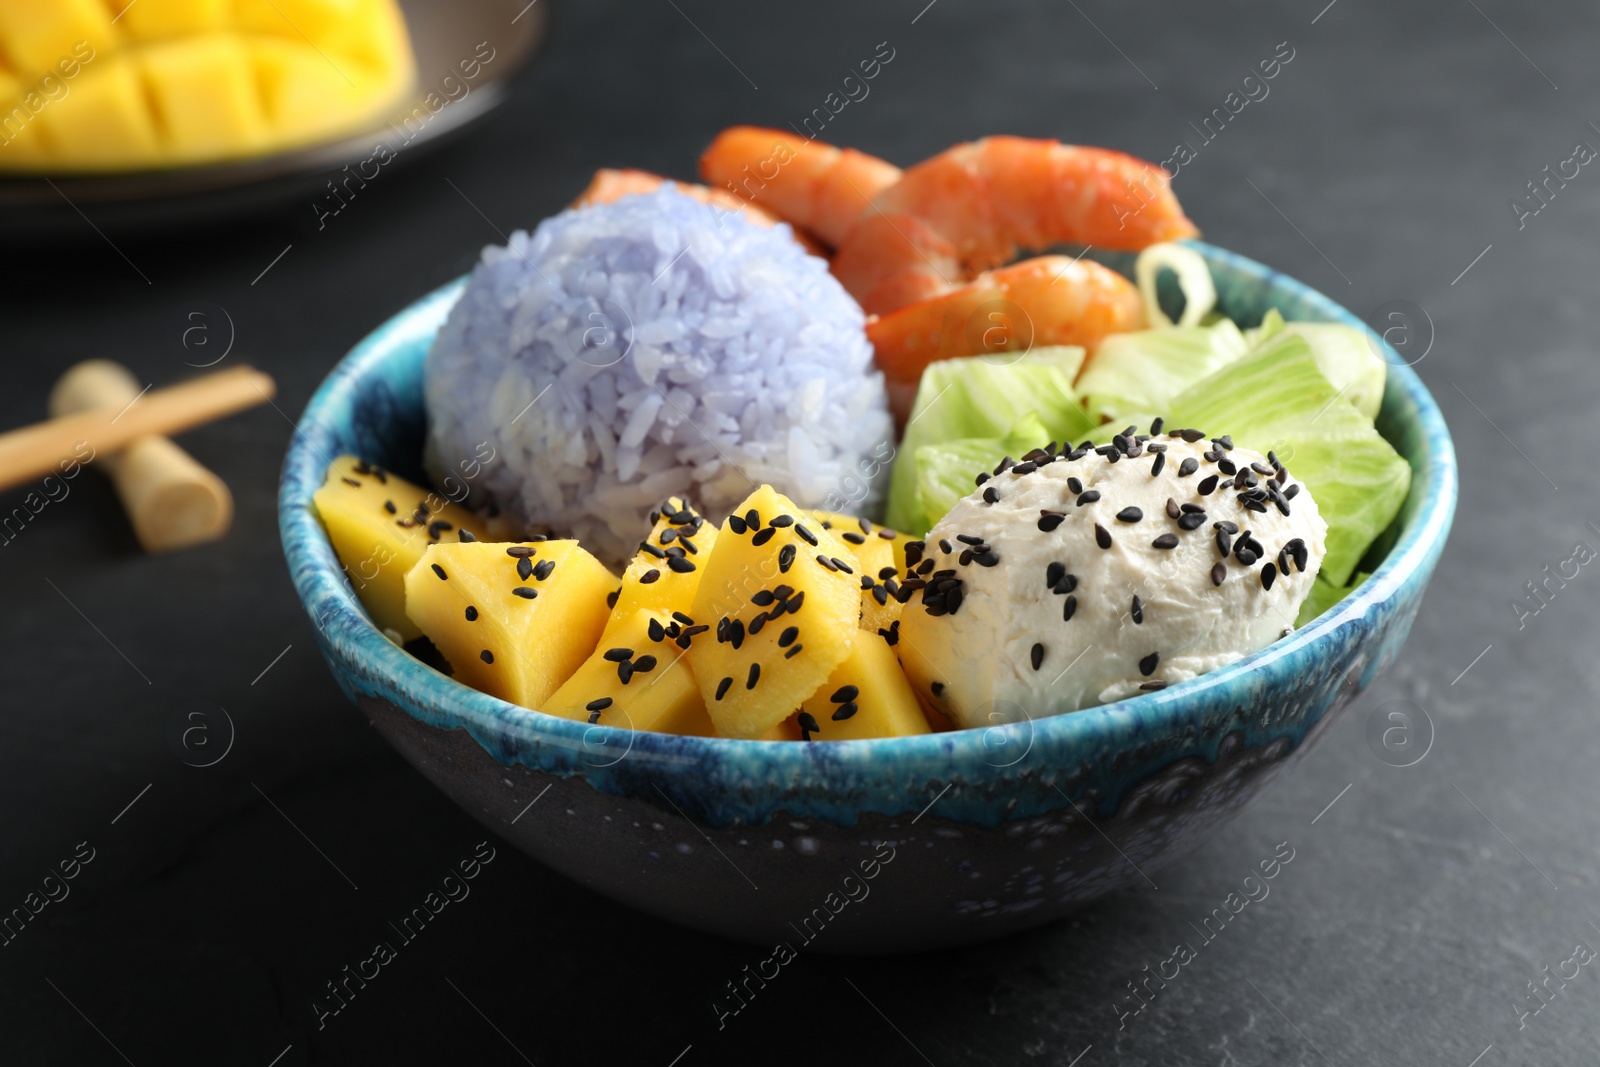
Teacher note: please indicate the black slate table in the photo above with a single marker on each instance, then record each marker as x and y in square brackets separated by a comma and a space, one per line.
[211, 904]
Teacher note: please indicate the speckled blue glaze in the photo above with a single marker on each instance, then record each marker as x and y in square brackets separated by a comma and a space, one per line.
[1011, 805]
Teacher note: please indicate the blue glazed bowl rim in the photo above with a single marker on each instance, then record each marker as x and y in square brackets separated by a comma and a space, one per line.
[350, 637]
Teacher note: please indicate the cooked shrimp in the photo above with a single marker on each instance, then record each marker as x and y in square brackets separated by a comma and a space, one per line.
[1049, 300]
[608, 185]
[973, 206]
[815, 186]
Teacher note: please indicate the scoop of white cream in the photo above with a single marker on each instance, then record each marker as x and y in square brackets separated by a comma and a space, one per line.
[1079, 581]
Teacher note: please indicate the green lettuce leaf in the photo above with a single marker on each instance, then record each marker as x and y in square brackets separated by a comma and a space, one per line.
[973, 397]
[1278, 398]
[946, 471]
[1143, 371]
[1325, 595]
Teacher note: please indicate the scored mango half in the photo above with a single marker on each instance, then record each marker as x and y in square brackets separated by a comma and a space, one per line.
[97, 85]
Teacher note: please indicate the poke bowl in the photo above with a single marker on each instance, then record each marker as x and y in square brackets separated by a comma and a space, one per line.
[881, 845]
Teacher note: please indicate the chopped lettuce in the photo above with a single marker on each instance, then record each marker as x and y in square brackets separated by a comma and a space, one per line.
[1143, 371]
[1278, 398]
[1325, 595]
[946, 471]
[975, 397]
[1344, 354]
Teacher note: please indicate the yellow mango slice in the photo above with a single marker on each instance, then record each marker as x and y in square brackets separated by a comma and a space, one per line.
[866, 696]
[36, 35]
[877, 550]
[782, 596]
[379, 525]
[514, 621]
[159, 20]
[652, 580]
[104, 118]
[638, 678]
[205, 97]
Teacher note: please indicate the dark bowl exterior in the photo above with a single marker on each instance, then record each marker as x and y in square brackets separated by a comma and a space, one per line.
[959, 837]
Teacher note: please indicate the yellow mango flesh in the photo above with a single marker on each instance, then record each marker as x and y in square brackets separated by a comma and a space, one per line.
[876, 549]
[871, 692]
[650, 582]
[120, 84]
[768, 652]
[378, 546]
[659, 693]
[517, 647]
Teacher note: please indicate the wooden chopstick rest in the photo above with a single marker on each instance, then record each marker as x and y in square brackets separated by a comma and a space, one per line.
[171, 500]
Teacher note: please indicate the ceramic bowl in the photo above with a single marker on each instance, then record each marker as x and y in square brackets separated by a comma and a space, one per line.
[862, 846]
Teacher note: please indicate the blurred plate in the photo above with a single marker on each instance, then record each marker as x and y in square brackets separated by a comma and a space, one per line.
[443, 34]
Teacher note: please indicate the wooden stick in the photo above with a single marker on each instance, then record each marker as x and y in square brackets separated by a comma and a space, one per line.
[171, 500]
[34, 451]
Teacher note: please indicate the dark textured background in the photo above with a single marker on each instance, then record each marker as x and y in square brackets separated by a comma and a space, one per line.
[1405, 928]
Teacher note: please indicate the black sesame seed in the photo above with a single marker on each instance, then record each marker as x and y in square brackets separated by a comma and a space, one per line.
[1172, 508]
[1192, 436]
[1219, 571]
[854, 538]
[991, 495]
[519, 551]
[611, 598]
[625, 672]
[600, 704]
[465, 536]
[1147, 666]
[1269, 574]
[763, 598]
[545, 566]
[722, 687]
[753, 677]
[1245, 556]
[1049, 520]
[1066, 585]
[486, 656]
[844, 711]
[937, 688]
[788, 636]
[1025, 468]
[795, 601]
[644, 664]
[1166, 540]
[1036, 655]
[808, 725]
[793, 652]
[1192, 520]
[756, 624]
[1151, 687]
[525, 592]
[649, 576]
[1156, 424]
[806, 535]
[472, 613]
[752, 519]
[680, 565]
[1207, 485]
[1088, 498]
[1053, 574]
[1224, 524]
[841, 565]
[656, 631]
[388, 505]
[1137, 610]
[1226, 466]
[1224, 542]
[617, 655]
[1161, 461]
[1292, 492]
[986, 559]
[785, 558]
[1068, 608]
[1130, 514]
[1298, 548]
[524, 568]
[440, 572]
[1188, 467]
[782, 520]
[1102, 536]
[736, 524]
[763, 536]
